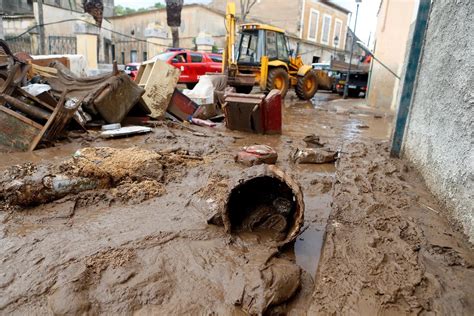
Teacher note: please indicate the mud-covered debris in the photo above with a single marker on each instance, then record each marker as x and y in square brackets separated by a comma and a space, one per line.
[313, 141]
[313, 155]
[256, 155]
[271, 285]
[134, 174]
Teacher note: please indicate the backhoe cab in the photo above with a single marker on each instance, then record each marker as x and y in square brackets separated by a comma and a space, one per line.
[262, 58]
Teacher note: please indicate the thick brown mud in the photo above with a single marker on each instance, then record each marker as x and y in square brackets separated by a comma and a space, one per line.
[141, 243]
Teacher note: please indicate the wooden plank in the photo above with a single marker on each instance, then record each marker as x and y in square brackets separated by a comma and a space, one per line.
[15, 132]
[21, 117]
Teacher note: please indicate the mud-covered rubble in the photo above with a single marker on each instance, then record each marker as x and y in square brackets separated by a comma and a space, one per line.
[131, 174]
[380, 255]
[120, 250]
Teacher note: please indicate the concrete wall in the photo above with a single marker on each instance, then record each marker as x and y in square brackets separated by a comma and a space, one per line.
[391, 38]
[439, 136]
[281, 13]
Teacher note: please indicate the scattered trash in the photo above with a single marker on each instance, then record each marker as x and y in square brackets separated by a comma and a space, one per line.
[313, 141]
[110, 127]
[36, 89]
[256, 155]
[362, 126]
[203, 92]
[125, 131]
[200, 122]
[313, 156]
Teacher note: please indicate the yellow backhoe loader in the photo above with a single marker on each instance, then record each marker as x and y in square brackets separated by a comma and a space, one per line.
[262, 58]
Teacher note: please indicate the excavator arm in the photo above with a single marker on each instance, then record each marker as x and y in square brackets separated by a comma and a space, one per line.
[229, 65]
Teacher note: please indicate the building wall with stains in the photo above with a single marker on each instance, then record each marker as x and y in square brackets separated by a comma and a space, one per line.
[391, 37]
[195, 19]
[440, 132]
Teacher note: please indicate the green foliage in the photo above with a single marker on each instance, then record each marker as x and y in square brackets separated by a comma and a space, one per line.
[121, 10]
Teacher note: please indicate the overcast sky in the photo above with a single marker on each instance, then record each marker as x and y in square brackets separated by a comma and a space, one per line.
[366, 21]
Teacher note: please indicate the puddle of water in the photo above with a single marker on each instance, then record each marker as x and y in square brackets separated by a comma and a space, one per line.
[309, 243]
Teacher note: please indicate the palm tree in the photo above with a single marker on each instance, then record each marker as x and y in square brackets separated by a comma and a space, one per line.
[173, 17]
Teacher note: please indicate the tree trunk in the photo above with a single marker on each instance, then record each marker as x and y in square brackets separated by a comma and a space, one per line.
[173, 17]
[175, 35]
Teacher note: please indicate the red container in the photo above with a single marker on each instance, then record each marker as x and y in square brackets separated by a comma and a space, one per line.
[271, 108]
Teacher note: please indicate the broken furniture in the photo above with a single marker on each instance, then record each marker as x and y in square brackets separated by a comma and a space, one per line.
[25, 120]
[254, 112]
[159, 80]
[110, 96]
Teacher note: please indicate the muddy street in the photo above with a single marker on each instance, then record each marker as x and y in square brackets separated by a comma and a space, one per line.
[135, 235]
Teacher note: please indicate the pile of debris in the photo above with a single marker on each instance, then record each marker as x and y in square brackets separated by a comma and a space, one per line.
[40, 98]
[37, 102]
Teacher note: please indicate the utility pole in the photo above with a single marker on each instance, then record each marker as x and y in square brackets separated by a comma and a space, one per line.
[346, 88]
[42, 39]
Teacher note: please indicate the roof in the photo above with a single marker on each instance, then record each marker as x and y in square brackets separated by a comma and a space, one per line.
[335, 6]
[259, 26]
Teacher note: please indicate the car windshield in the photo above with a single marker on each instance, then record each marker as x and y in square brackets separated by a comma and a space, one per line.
[165, 56]
[130, 67]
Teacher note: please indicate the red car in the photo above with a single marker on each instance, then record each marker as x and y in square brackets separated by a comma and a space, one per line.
[192, 64]
[132, 70]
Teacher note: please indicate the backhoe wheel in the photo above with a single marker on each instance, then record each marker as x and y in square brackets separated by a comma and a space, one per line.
[244, 89]
[278, 79]
[307, 86]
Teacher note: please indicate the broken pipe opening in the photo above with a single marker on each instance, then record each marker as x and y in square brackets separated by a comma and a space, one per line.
[265, 200]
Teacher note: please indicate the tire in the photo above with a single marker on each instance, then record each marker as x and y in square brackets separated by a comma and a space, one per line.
[278, 79]
[190, 85]
[307, 86]
[244, 89]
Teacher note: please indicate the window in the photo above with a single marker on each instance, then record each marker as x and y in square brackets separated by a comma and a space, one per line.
[164, 56]
[338, 33]
[133, 56]
[282, 48]
[313, 24]
[216, 58]
[196, 58]
[248, 47]
[123, 57]
[145, 56]
[326, 29]
[271, 42]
